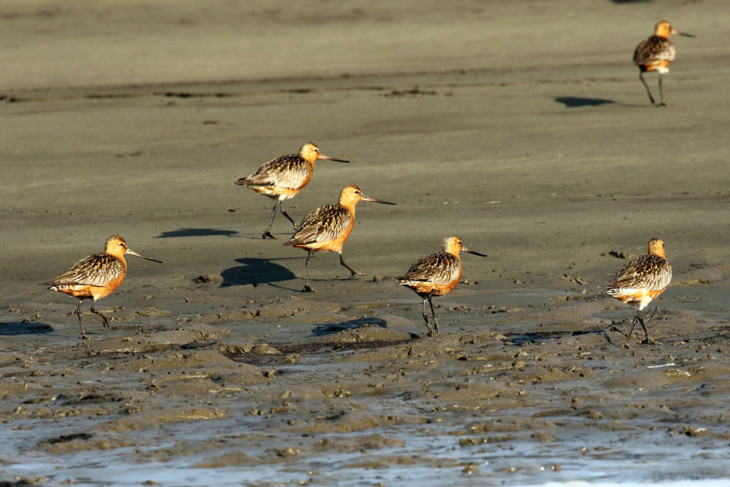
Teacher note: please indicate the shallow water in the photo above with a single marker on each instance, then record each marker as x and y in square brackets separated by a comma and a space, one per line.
[413, 454]
[364, 401]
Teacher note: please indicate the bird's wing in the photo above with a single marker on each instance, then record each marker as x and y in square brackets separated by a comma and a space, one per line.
[649, 272]
[324, 224]
[95, 270]
[439, 268]
[289, 171]
[654, 49]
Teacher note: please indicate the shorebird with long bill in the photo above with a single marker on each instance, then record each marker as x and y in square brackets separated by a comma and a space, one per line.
[328, 227]
[436, 275]
[96, 276]
[284, 177]
[641, 281]
[655, 54]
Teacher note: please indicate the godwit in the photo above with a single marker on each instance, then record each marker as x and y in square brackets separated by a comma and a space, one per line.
[96, 276]
[328, 227]
[436, 275]
[282, 178]
[655, 54]
[642, 280]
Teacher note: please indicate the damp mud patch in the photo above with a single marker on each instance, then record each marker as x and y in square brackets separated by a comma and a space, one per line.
[283, 353]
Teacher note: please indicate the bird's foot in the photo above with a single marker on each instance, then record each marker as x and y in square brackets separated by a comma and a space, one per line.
[649, 341]
[267, 234]
[104, 319]
[433, 328]
[307, 289]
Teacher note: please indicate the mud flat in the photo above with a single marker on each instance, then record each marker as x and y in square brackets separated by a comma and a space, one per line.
[521, 127]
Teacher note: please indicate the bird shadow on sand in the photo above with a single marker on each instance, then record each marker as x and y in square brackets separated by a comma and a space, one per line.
[520, 339]
[196, 232]
[256, 271]
[324, 329]
[578, 101]
[24, 328]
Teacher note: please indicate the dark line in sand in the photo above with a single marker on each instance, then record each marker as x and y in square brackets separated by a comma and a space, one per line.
[287, 349]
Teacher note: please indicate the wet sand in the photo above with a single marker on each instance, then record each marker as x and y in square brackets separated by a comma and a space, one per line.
[521, 127]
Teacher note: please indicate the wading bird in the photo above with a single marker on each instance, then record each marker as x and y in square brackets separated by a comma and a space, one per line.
[642, 280]
[328, 227]
[282, 178]
[96, 276]
[655, 54]
[436, 275]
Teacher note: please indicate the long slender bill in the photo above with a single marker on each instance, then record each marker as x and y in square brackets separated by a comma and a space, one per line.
[373, 200]
[464, 249]
[132, 252]
[322, 156]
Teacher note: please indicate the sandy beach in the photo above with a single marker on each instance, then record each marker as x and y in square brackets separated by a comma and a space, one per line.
[521, 127]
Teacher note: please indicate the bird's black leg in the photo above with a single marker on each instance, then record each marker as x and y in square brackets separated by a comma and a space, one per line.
[640, 316]
[631, 331]
[78, 315]
[661, 92]
[353, 271]
[93, 310]
[267, 232]
[423, 312]
[648, 91]
[425, 316]
[307, 289]
[434, 326]
[281, 209]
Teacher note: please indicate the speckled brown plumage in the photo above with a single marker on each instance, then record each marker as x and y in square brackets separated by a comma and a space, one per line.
[96, 276]
[642, 280]
[282, 178]
[436, 275]
[431, 274]
[286, 173]
[323, 226]
[328, 227]
[654, 52]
